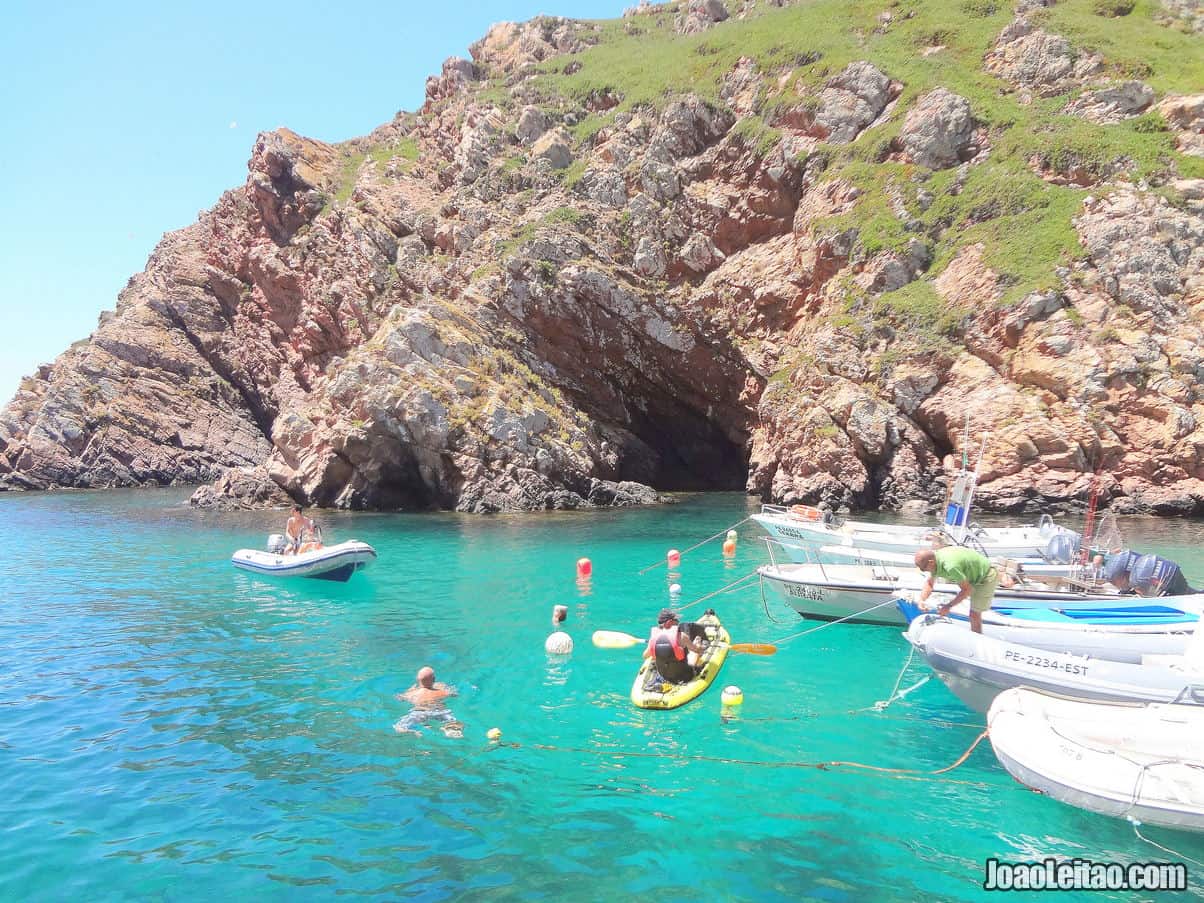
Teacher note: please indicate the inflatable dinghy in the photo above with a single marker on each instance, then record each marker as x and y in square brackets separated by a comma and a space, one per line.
[337, 562]
[1130, 761]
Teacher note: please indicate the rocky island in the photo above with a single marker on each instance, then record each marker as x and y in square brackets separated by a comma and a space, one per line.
[779, 246]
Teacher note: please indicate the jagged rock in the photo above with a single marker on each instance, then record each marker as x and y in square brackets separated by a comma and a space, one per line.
[1036, 60]
[531, 124]
[649, 259]
[852, 101]
[241, 487]
[556, 147]
[699, 254]
[456, 75]
[687, 127]
[938, 130]
[699, 15]
[510, 47]
[622, 494]
[1188, 14]
[1150, 254]
[1114, 103]
[1185, 116]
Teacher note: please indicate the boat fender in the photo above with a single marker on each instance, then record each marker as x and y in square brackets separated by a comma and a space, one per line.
[806, 512]
[732, 696]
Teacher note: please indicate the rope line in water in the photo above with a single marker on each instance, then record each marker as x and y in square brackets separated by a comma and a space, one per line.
[723, 589]
[855, 614]
[1134, 822]
[899, 773]
[722, 532]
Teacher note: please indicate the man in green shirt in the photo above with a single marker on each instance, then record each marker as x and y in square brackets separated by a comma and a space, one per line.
[971, 571]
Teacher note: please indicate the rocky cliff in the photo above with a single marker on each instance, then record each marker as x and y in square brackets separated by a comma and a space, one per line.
[788, 247]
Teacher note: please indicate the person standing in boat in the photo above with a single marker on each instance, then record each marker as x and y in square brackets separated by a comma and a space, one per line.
[975, 576]
[670, 646]
[301, 532]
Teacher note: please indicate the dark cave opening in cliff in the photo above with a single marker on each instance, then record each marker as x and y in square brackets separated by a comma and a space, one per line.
[683, 451]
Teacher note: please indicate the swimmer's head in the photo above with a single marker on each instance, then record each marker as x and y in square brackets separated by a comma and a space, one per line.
[426, 677]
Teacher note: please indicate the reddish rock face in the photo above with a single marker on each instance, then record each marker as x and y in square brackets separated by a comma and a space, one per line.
[480, 307]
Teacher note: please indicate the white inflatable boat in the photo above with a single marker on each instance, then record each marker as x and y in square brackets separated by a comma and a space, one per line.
[978, 668]
[1130, 761]
[326, 563]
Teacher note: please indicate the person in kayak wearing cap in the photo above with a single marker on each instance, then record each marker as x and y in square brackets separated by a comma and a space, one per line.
[669, 645]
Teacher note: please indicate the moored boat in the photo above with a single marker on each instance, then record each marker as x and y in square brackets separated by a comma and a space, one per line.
[978, 668]
[865, 593]
[1139, 761]
[1124, 631]
[337, 562]
[650, 691]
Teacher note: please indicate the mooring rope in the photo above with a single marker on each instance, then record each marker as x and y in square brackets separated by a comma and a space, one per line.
[717, 592]
[912, 774]
[855, 614]
[1134, 822]
[722, 532]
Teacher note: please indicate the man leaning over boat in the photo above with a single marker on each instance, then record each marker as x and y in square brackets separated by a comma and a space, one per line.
[975, 576]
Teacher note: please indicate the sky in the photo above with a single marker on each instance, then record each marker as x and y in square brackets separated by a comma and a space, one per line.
[121, 121]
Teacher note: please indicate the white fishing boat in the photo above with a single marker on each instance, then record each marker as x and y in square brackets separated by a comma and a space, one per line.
[1138, 761]
[799, 526]
[1127, 629]
[977, 668]
[337, 562]
[865, 593]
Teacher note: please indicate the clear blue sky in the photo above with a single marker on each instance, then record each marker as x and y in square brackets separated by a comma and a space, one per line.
[121, 121]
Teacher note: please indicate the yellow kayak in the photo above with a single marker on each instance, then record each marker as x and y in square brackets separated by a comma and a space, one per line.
[650, 691]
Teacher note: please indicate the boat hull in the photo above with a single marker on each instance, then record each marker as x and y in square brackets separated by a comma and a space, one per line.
[865, 595]
[978, 668]
[336, 562]
[1003, 542]
[1127, 761]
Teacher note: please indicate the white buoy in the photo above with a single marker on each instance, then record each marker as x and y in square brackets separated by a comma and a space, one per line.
[558, 643]
[732, 696]
[675, 589]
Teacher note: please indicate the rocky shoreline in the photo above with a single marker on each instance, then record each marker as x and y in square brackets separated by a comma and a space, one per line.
[546, 291]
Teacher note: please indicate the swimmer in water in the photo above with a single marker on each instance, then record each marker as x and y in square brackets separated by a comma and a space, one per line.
[427, 696]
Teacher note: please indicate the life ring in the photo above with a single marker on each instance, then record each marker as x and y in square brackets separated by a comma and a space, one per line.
[806, 512]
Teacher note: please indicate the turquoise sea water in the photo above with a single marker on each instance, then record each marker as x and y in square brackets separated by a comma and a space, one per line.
[173, 729]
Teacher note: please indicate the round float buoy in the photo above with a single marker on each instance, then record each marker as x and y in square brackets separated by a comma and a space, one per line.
[729, 547]
[558, 643]
[585, 567]
[675, 589]
[674, 558]
[494, 733]
[732, 696]
[732, 535]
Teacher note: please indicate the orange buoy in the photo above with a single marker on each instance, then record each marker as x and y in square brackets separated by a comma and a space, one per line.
[674, 558]
[585, 567]
[729, 547]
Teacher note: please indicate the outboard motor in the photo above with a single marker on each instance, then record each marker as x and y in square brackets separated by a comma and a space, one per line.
[1062, 547]
[276, 543]
[1118, 565]
[1151, 575]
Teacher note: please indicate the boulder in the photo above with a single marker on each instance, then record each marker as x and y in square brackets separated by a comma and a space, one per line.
[938, 131]
[852, 100]
[532, 123]
[1113, 103]
[1184, 114]
[556, 147]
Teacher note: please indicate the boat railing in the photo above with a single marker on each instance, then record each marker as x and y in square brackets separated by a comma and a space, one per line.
[811, 552]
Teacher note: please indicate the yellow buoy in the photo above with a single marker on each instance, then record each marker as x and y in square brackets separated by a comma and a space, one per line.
[732, 696]
[494, 733]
